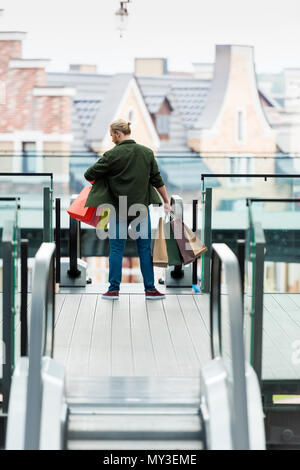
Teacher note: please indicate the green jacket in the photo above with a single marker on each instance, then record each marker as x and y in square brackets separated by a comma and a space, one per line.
[128, 169]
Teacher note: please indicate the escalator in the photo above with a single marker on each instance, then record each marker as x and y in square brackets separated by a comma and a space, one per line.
[221, 409]
[135, 413]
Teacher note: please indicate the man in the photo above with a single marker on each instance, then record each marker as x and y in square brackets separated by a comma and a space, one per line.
[130, 170]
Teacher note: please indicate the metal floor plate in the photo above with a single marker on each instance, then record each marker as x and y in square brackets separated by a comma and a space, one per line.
[134, 390]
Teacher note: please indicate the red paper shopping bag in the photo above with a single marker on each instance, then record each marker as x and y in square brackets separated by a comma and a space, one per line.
[94, 220]
[77, 209]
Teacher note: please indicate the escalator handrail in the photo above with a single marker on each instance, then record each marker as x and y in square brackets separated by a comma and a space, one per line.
[222, 256]
[41, 338]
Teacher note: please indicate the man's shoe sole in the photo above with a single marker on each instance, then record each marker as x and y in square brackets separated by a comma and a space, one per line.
[110, 297]
[152, 297]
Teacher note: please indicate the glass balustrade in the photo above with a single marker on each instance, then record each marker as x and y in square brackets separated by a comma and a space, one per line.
[30, 188]
[185, 173]
[279, 283]
[229, 209]
[227, 216]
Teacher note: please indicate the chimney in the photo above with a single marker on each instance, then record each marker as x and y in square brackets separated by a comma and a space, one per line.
[83, 68]
[151, 67]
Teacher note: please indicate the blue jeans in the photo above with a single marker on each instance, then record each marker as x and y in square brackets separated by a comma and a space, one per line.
[117, 239]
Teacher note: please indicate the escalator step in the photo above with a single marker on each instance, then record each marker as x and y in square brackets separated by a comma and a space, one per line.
[95, 431]
[135, 445]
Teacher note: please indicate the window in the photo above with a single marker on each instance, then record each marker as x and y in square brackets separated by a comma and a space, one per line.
[131, 115]
[29, 157]
[163, 123]
[240, 126]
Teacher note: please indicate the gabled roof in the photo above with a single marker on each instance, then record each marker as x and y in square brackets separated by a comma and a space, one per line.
[154, 102]
[108, 107]
[95, 104]
[190, 93]
[186, 95]
[98, 97]
[90, 92]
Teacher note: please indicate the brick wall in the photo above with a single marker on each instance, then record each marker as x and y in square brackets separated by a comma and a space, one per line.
[22, 110]
[53, 114]
[17, 113]
[9, 50]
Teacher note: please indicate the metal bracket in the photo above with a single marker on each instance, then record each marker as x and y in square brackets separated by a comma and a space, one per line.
[73, 269]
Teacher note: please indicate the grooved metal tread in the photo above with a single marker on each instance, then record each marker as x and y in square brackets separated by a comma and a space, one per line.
[134, 413]
[103, 430]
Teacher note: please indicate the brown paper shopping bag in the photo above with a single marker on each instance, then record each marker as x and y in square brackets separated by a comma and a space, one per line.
[160, 254]
[189, 245]
[184, 246]
[196, 244]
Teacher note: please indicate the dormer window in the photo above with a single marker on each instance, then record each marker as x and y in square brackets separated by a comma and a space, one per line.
[160, 109]
[163, 125]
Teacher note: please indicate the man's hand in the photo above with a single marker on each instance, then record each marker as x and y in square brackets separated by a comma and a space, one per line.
[167, 207]
[163, 192]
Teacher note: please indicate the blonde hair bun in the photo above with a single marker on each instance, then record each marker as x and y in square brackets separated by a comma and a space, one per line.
[122, 126]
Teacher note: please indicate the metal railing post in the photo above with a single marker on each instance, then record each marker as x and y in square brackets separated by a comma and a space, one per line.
[57, 238]
[47, 215]
[257, 344]
[24, 290]
[207, 240]
[241, 258]
[73, 248]
[7, 324]
[194, 228]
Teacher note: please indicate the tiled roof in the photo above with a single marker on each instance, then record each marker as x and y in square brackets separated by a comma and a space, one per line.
[191, 102]
[187, 96]
[94, 108]
[97, 98]
[86, 111]
[154, 102]
[90, 91]
[190, 94]
[108, 107]
[88, 86]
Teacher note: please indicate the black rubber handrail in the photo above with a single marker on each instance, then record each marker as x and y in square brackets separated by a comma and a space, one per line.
[247, 175]
[270, 199]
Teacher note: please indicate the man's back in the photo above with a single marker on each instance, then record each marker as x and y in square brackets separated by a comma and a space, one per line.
[129, 169]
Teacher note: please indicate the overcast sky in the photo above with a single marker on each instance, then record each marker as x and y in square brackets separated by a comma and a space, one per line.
[84, 31]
